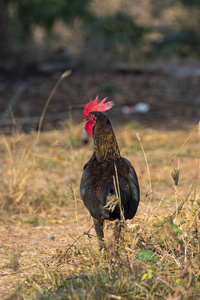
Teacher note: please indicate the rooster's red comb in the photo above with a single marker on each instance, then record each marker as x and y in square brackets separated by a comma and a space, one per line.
[101, 106]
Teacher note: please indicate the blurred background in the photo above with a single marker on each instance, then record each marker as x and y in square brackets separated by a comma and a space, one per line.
[133, 51]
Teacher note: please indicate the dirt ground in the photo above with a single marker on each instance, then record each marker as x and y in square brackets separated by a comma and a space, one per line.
[29, 255]
[24, 250]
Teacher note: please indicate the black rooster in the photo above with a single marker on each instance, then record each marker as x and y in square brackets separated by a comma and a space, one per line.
[107, 176]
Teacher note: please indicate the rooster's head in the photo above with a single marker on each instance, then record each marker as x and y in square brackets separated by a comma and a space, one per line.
[92, 107]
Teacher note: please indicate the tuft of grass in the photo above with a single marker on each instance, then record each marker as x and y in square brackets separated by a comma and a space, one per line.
[134, 125]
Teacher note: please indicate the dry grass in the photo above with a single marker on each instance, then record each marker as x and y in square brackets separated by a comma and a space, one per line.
[47, 240]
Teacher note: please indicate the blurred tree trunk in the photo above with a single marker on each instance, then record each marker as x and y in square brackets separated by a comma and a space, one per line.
[4, 32]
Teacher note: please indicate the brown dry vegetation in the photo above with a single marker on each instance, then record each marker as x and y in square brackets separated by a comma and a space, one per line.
[47, 242]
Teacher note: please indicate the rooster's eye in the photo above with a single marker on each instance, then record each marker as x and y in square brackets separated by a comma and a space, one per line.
[92, 117]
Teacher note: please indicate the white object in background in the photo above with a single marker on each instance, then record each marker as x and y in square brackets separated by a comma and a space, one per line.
[142, 107]
[139, 107]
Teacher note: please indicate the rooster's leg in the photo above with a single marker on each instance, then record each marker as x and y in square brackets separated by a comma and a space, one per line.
[98, 224]
[119, 224]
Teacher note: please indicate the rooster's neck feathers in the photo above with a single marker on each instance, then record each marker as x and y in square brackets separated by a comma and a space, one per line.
[105, 144]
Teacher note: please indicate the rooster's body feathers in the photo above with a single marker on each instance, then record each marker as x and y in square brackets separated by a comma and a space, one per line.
[97, 186]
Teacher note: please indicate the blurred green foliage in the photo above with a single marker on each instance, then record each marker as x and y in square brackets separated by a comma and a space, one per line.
[113, 30]
[117, 33]
[191, 2]
[46, 12]
[185, 42]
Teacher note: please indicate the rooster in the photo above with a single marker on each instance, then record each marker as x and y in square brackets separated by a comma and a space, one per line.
[107, 176]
